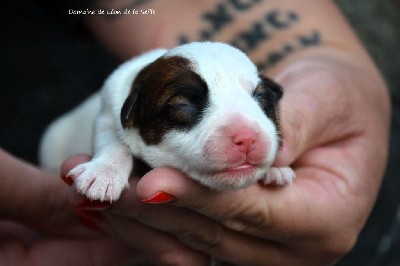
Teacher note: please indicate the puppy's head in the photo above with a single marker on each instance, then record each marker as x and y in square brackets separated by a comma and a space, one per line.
[203, 108]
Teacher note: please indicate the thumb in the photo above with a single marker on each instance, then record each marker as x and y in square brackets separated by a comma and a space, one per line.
[315, 109]
[187, 193]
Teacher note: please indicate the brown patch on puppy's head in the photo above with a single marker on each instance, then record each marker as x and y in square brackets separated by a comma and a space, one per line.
[167, 94]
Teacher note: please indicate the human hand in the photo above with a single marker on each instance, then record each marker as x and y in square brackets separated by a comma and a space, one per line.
[335, 122]
[39, 227]
[151, 245]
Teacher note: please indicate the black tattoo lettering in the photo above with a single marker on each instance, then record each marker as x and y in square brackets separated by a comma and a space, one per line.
[262, 31]
[259, 32]
[301, 42]
[206, 35]
[310, 40]
[243, 5]
[279, 20]
[288, 49]
[249, 40]
[293, 16]
[182, 39]
[219, 17]
[275, 57]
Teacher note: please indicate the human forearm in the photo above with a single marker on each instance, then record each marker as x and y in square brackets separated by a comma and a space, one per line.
[34, 197]
[268, 31]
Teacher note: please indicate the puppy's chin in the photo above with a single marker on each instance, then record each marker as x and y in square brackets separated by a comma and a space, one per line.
[230, 179]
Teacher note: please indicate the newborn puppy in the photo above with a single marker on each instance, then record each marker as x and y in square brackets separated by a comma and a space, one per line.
[200, 107]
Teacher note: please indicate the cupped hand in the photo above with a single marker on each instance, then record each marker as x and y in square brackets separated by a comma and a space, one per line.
[335, 117]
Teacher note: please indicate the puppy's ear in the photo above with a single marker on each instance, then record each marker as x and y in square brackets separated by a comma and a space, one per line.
[128, 109]
[273, 86]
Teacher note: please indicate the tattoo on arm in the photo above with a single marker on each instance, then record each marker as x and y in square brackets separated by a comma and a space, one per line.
[220, 17]
[224, 15]
[300, 42]
[261, 31]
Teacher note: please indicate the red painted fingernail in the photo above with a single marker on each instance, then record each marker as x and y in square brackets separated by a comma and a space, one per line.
[159, 198]
[92, 205]
[67, 180]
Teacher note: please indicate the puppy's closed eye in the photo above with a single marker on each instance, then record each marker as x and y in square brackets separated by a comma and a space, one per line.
[188, 99]
[182, 110]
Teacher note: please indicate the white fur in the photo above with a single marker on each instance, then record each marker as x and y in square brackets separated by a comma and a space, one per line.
[230, 76]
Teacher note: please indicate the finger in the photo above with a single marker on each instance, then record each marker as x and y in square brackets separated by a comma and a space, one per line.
[71, 162]
[299, 215]
[87, 210]
[74, 198]
[158, 247]
[243, 239]
[258, 211]
[315, 109]
[128, 217]
[39, 200]
[35, 197]
[174, 240]
[192, 229]
[246, 210]
[76, 252]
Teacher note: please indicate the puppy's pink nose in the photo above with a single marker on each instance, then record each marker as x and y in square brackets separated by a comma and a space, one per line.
[244, 140]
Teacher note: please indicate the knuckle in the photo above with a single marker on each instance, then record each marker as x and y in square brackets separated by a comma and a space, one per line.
[142, 213]
[205, 238]
[252, 219]
[200, 205]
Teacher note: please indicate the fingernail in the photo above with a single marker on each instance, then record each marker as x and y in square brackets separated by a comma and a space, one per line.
[92, 205]
[90, 219]
[67, 180]
[159, 198]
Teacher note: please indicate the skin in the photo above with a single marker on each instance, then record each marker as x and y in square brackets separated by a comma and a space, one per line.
[335, 120]
[315, 220]
[42, 228]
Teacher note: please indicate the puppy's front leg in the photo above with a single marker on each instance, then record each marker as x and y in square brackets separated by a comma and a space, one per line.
[107, 174]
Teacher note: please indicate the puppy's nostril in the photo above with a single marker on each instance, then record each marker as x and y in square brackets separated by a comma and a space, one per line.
[244, 139]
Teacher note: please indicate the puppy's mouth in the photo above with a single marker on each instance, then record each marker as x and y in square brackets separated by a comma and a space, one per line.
[244, 169]
[234, 177]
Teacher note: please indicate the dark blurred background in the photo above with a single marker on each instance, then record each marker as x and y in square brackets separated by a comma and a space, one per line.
[49, 63]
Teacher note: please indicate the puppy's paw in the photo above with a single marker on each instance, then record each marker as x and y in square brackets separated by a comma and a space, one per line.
[279, 176]
[99, 180]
